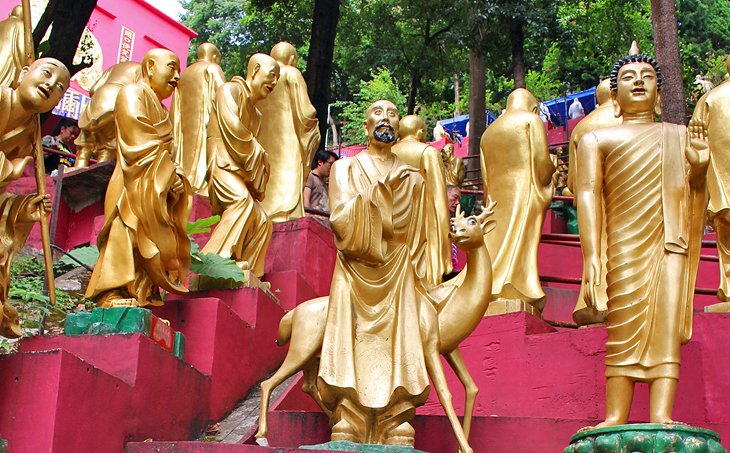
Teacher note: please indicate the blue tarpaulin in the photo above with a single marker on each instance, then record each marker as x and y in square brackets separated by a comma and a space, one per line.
[559, 107]
[458, 123]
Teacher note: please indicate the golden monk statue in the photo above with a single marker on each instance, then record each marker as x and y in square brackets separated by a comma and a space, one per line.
[12, 47]
[517, 174]
[240, 168]
[381, 337]
[454, 167]
[602, 116]
[98, 133]
[290, 135]
[414, 151]
[713, 109]
[190, 111]
[143, 245]
[645, 182]
[40, 88]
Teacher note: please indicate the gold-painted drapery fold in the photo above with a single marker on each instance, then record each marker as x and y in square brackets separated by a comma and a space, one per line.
[191, 111]
[649, 249]
[240, 172]
[12, 48]
[143, 243]
[372, 350]
[290, 135]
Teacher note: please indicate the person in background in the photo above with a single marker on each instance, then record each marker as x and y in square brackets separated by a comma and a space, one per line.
[316, 195]
[61, 139]
[576, 109]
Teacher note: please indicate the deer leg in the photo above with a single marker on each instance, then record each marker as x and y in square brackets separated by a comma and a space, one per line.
[471, 390]
[432, 356]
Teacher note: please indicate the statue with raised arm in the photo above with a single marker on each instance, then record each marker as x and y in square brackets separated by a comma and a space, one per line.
[517, 174]
[290, 135]
[412, 149]
[645, 183]
[240, 167]
[190, 111]
[381, 338]
[143, 245]
[602, 116]
[98, 132]
[40, 87]
[713, 109]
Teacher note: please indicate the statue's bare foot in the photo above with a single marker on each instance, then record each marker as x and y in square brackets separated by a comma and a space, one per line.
[608, 423]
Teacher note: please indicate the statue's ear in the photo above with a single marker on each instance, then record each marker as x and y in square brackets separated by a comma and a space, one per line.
[658, 105]
[616, 108]
[489, 225]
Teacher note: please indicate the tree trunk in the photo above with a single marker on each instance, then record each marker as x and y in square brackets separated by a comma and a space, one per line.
[413, 91]
[321, 55]
[517, 38]
[69, 18]
[477, 106]
[666, 48]
[456, 95]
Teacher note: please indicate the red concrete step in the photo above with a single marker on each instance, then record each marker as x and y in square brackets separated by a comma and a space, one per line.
[229, 336]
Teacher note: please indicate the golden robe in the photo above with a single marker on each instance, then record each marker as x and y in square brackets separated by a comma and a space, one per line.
[455, 170]
[517, 174]
[12, 50]
[438, 249]
[601, 117]
[714, 109]
[239, 174]
[191, 106]
[372, 355]
[290, 135]
[14, 144]
[654, 224]
[143, 244]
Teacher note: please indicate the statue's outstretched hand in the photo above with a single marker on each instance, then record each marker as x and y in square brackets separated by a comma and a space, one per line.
[396, 176]
[31, 212]
[177, 185]
[697, 150]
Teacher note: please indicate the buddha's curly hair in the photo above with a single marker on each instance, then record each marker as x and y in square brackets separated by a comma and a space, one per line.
[637, 58]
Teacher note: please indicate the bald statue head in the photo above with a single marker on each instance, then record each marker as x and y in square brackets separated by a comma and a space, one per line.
[42, 84]
[521, 99]
[285, 53]
[412, 126]
[603, 92]
[382, 123]
[209, 52]
[161, 71]
[17, 11]
[261, 76]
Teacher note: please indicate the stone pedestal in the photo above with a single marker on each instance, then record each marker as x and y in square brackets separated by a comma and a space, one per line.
[646, 438]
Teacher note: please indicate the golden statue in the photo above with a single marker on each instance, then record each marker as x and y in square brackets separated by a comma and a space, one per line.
[12, 47]
[517, 174]
[461, 304]
[602, 116]
[713, 109]
[191, 106]
[454, 167]
[143, 245]
[240, 168]
[374, 372]
[98, 134]
[649, 179]
[290, 135]
[40, 87]
[412, 150]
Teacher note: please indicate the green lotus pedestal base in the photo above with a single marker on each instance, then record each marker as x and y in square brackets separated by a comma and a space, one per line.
[646, 438]
[342, 445]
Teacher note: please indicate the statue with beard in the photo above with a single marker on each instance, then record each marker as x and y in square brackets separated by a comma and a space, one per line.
[381, 336]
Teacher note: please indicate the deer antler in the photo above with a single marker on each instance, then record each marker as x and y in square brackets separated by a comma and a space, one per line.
[487, 210]
[459, 213]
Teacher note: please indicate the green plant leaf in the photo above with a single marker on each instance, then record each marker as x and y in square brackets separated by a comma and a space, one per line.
[214, 266]
[87, 255]
[202, 225]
